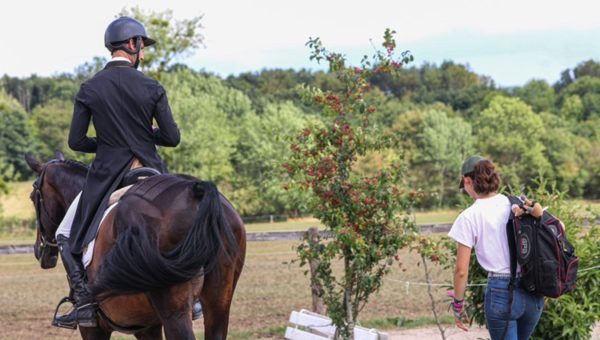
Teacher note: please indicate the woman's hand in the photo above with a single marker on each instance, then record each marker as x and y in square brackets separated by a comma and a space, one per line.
[461, 318]
[461, 273]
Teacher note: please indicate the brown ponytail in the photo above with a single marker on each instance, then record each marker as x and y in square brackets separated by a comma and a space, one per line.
[485, 178]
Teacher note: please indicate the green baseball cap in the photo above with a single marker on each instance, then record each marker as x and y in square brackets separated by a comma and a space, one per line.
[468, 167]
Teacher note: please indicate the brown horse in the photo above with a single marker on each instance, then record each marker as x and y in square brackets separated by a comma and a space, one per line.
[153, 256]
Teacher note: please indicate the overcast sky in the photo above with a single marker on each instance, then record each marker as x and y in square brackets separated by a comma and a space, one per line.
[512, 41]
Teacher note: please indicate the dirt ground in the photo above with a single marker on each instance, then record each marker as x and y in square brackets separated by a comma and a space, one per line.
[431, 333]
[269, 289]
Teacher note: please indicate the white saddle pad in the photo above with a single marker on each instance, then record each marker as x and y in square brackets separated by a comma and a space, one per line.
[89, 251]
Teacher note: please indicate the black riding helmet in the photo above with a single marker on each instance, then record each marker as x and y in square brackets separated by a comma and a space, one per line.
[121, 30]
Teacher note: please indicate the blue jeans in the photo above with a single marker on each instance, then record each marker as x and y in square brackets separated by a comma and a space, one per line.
[524, 314]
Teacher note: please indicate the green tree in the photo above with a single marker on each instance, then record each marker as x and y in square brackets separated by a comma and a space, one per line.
[588, 89]
[263, 144]
[49, 125]
[450, 83]
[174, 38]
[589, 68]
[276, 85]
[366, 215]
[402, 86]
[446, 142]
[34, 91]
[589, 130]
[567, 153]
[511, 134]
[207, 134]
[89, 68]
[538, 94]
[572, 108]
[15, 140]
[389, 108]
[407, 127]
[435, 141]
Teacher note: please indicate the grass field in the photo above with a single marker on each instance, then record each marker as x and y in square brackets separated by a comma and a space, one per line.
[17, 205]
[268, 290]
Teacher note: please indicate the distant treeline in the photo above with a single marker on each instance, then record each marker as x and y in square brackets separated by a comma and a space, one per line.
[237, 131]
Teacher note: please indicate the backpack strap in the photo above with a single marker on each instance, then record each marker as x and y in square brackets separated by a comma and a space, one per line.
[510, 233]
[512, 249]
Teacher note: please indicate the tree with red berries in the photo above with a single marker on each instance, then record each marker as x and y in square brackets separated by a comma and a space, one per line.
[367, 215]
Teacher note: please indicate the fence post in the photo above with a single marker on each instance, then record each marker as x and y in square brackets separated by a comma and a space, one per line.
[317, 302]
[271, 219]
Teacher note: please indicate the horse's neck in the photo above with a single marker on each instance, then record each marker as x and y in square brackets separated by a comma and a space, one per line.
[72, 193]
[69, 198]
[71, 188]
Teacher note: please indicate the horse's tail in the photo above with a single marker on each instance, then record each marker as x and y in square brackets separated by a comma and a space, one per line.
[135, 264]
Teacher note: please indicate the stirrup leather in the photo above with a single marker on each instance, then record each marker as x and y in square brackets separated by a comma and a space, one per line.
[60, 324]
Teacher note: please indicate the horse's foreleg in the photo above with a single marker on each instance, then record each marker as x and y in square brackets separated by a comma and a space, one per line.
[153, 333]
[174, 307]
[95, 333]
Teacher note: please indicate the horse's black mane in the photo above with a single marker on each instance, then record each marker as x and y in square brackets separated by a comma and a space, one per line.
[77, 164]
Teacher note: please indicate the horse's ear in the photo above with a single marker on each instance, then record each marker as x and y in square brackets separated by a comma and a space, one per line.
[59, 155]
[33, 163]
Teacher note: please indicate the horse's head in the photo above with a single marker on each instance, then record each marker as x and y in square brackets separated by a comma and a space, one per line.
[49, 209]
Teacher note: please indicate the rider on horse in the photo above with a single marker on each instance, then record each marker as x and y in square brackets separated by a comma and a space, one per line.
[123, 103]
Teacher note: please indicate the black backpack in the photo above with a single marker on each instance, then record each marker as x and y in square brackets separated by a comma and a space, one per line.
[540, 246]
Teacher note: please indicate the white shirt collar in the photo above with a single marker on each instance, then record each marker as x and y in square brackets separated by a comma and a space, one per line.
[119, 59]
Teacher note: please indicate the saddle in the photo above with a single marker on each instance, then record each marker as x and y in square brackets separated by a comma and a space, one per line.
[136, 173]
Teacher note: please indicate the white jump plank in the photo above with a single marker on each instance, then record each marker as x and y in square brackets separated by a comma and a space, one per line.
[314, 326]
[361, 333]
[314, 322]
[297, 334]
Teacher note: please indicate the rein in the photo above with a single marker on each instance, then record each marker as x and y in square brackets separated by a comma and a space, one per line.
[41, 207]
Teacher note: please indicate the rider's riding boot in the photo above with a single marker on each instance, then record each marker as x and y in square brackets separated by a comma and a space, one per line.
[196, 310]
[84, 312]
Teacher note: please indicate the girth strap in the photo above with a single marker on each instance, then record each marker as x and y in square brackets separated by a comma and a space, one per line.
[119, 328]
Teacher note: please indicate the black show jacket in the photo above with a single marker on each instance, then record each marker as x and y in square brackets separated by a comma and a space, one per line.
[122, 103]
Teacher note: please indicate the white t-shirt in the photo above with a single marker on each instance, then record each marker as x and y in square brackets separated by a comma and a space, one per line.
[483, 226]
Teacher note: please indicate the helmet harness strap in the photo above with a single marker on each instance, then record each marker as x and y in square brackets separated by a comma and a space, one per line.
[138, 48]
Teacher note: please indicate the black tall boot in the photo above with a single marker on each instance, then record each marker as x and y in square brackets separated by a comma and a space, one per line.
[84, 312]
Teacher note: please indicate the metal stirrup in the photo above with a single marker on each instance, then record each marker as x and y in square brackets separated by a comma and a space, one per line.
[60, 303]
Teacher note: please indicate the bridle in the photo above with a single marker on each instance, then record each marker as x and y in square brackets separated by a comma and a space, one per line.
[38, 201]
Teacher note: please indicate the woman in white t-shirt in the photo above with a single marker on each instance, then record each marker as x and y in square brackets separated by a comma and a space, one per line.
[482, 227]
